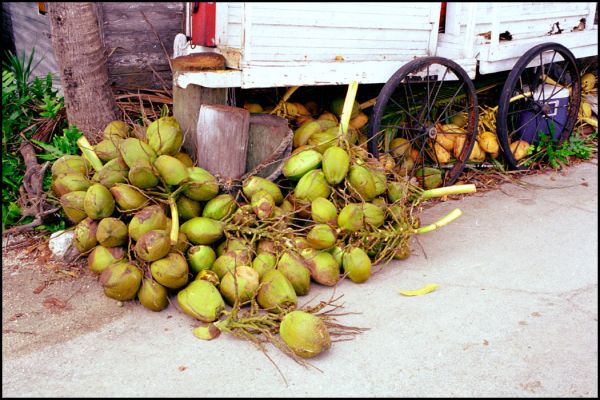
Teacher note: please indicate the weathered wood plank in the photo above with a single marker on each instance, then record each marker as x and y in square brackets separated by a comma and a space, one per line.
[269, 137]
[32, 30]
[143, 6]
[186, 108]
[132, 43]
[222, 137]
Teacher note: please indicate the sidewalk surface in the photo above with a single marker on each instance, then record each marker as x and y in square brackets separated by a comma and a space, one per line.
[516, 315]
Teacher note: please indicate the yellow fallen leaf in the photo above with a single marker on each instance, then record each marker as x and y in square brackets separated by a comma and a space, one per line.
[430, 287]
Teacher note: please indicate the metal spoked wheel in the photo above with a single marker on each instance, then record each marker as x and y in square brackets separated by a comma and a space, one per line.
[426, 116]
[539, 103]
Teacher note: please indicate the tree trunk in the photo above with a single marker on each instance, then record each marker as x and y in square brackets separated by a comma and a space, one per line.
[81, 58]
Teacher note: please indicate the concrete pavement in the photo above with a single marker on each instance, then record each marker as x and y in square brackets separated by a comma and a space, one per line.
[516, 315]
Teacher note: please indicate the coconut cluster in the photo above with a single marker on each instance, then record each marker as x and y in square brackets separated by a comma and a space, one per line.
[155, 227]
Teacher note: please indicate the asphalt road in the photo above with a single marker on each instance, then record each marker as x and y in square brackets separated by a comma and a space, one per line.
[515, 315]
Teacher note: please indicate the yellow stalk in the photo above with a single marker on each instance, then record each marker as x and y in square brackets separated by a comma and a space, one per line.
[440, 223]
[347, 109]
[448, 190]
[174, 235]
[88, 152]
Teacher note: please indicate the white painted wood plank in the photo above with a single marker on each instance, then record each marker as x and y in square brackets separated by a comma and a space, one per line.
[327, 33]
[210, 79]
[416, 42]
[293, 55]
[571, 40]
[489, 67]
[418, 9]
[352, 21]
[315, 74]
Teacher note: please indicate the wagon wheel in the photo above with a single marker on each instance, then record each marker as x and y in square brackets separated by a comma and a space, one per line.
[540, 100]
[416, 105]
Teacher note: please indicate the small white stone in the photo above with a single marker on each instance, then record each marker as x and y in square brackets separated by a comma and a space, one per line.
[60, 242]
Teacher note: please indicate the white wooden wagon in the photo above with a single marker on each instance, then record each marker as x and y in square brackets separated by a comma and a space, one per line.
[418, 50]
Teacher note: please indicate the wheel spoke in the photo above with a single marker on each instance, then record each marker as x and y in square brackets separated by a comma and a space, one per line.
[450, 102]
[438, 92]
[412, 107]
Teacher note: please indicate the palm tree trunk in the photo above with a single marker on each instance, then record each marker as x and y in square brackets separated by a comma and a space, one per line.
[81, 58]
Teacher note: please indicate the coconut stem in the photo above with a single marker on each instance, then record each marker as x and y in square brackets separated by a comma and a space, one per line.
[174, 221]
[448, 190]
[88, 152]
[347, 109]
[440, 223]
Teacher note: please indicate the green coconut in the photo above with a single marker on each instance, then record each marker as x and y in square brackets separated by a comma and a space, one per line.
[397, 191]
[165, 135]
[143, 175]
[266, 246]
[153, 245]
[323, 140]
[264, 262]
[338, 253]
[304, 132]
[209, 276]
[170, 271]
[351, 217]
[185, 159]
[70, 164]
[305, 333]
[228, 261]
[202, 230]
[242, 246]
[111, 232]
[300, 243]
[275, 291]
[70, 182]
[147, 219]
[72, 204]
[220, 207]
[116, 129]
[323, 211]
[121, 281]
[181, 245]
[362, 183]
[255, 183]
[380, 180]
[172, 171]
[153, 295]
[292, 266]
[312, 185]
[245, 278]
[263, 204]
[200, 257]
[321, 236]
[107, 149]
[300, 163]
[324, 269]
[98, 202]
[128, 197]
[356, 264]
[244, 215]
[402, 252]
[202, 186]
[113, 172]
[101, 257]
[201, 300]
[133, 149]
[374, 215]
[84, 235]
[188, 208]
[336, 162]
